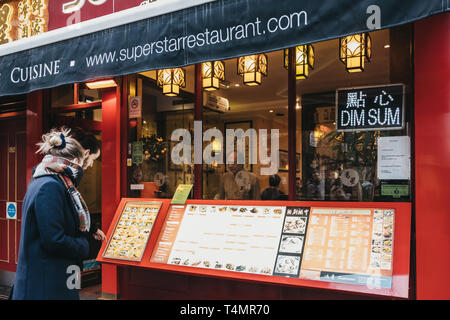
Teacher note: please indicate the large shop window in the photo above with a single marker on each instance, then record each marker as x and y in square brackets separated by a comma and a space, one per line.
[257, 110]
[353, 125]
[346, 153]
[151, 172]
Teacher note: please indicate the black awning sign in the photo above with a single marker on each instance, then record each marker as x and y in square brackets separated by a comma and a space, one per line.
[370, 108]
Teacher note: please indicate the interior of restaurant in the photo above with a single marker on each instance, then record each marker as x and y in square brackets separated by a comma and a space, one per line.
[323, 154]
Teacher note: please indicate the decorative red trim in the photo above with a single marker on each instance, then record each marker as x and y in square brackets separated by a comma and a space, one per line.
[76, 93]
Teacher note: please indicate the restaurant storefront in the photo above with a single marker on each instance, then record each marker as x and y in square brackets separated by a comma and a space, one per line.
[314, 138]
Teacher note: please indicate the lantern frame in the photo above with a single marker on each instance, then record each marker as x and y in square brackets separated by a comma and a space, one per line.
[212, 73]
[171, 80]
[354, 62]
[259, 64]
[303, 61]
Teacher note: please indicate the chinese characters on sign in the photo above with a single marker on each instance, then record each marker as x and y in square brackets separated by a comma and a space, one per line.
[370, 108]
[23, 19]
[5, 23]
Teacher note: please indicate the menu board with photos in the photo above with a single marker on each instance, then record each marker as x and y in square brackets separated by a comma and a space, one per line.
[325, 244]
[132, 231]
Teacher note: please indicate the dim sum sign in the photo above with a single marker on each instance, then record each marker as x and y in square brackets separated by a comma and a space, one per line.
[370, 108]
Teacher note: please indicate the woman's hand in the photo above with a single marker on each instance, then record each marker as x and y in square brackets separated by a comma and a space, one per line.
[99, 235]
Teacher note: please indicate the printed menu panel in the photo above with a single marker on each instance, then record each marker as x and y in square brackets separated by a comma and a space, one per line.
[233, 238]
[325, 244]
[349, 246]
[132, 231]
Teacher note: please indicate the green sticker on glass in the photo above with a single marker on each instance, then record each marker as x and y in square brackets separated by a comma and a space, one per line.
[137, 152]
[181, 194]
[395, 190]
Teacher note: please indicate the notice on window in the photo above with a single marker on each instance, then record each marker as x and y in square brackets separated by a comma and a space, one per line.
[394, 158]
[349, 246]
[132, 231]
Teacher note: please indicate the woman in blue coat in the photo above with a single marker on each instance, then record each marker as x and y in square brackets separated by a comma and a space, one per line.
[55, 221]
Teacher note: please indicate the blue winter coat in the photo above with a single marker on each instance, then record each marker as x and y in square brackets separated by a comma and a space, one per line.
[50, 243]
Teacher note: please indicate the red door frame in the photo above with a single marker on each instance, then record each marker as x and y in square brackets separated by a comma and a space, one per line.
[112, 113]
[112, 135]
[13, 150]
[432, 161]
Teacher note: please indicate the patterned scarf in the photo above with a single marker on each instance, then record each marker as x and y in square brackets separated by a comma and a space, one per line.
[70, 175]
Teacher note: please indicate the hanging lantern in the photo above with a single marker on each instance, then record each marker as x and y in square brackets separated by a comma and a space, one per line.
[170, 80]
[304, 60]
[252, 68]
[353, 49]
[212, 73]
[216, 145]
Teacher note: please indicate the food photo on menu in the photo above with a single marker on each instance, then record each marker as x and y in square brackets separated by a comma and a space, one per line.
[294, 225]
[287, 265]
[291, 244]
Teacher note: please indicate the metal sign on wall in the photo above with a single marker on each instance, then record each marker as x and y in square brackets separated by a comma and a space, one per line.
[216, 30]
[370, 108]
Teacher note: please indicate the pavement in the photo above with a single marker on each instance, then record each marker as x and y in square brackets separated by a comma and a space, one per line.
[4, 292]
[89, 293]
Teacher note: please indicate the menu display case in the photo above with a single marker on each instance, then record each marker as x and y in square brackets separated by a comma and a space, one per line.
[352, 247]
[132, 230]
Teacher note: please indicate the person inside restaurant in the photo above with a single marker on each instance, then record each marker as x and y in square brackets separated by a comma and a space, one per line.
[237, 183]
[274, 192]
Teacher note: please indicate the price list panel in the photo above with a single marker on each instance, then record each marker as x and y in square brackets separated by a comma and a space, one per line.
[349, 246]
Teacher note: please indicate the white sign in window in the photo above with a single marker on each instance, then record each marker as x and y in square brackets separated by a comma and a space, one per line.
[394, 158]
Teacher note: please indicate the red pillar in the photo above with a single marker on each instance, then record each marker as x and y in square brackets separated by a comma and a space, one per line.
[110, 177]
[198, 114]
[432, 156]
[292, 125]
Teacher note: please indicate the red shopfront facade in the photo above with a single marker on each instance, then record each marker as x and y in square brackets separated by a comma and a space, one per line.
[419, 272]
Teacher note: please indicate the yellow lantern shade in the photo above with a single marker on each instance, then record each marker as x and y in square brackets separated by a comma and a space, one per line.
[216, 145]
[353, 50]
[212, 73]
[252, 68]
[304, 60]
[170, 80]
